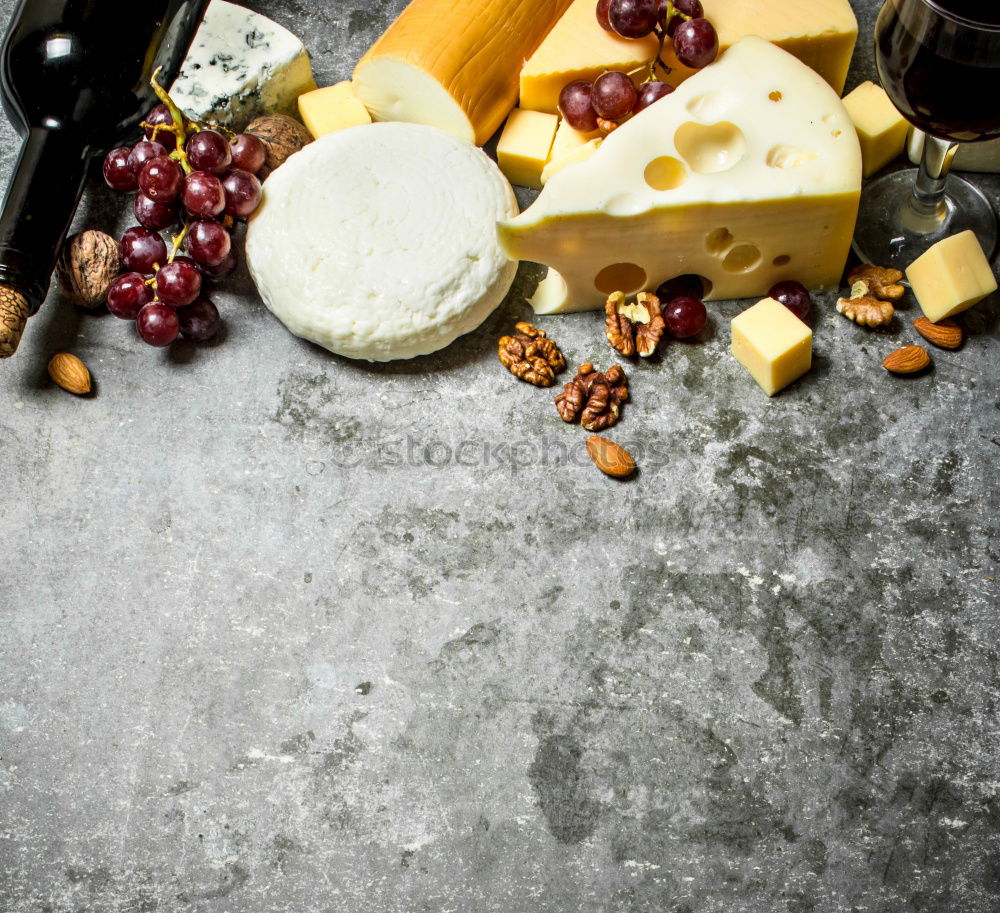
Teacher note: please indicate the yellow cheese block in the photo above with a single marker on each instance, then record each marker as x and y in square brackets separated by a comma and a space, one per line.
[332, 108]
[951, 277]
[578, 48]
[821, 33]
[748, 174]
[568, 140]
[454, 64]
[882, 130]
[525, 146]
[772, 344]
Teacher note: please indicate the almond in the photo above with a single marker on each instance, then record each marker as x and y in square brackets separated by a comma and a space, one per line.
[611, 458]
[907, 360]
[945, 335]
[70, 373]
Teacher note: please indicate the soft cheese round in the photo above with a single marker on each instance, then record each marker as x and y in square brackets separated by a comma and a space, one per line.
[380, 242]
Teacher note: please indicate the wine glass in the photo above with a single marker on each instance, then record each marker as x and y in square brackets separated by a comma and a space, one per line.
[939, 61]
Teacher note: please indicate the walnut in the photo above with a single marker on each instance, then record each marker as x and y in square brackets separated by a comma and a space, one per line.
[531, 356]
[281, 135]
[880, 282]
[632, 328]
[594, 397]
[873, 289]
[88, 266]
[607, 126]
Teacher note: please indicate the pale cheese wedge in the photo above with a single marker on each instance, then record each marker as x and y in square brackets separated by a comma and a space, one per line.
[748, 174]
[578, 48]
[821, 33]
[454, 64]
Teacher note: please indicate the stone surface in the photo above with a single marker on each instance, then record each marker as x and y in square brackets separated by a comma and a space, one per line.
[286, 633]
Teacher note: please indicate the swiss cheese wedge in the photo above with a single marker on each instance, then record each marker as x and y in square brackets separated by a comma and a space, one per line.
[578, 48]
[454, 64]
[821, 33]
[748, 174]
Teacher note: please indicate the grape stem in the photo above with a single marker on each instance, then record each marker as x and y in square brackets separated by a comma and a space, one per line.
[179, 128]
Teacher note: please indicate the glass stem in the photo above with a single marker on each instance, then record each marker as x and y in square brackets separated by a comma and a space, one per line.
[928, 201]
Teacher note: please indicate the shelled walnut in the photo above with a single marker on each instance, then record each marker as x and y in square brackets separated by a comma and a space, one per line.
[531, 356]
[873, 289]
[594, 397]
[634, 328]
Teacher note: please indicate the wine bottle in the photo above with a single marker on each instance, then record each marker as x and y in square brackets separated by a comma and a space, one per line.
[75, 81]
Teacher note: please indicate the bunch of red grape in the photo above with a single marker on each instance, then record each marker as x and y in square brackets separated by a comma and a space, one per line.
[194, 181]
[613, 96]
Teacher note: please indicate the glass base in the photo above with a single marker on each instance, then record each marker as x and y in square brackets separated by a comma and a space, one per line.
[893, 232]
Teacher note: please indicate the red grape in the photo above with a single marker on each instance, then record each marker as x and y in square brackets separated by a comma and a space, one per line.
[161, 179]
[681, 287]
[696, 43]
[242, 194]
[158, 325]
[690, 8]
[128, 294]
[117, 174]
[203, 195]
[209, 151]
[614, 95]
[178, 284]
[633, 18]
[161, 115]
[575, 106]
[152, 215]
[141, 153]
[603, 8]
[141, 248]
[200, 321]
[685, 317]
[794, 296]
[209, 243]
[215, 273]
[650, 92]
[249, 153]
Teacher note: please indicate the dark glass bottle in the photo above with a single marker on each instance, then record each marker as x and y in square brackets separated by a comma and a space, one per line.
[75, 81]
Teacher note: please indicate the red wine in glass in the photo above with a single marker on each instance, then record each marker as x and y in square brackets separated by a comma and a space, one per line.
[939, 62]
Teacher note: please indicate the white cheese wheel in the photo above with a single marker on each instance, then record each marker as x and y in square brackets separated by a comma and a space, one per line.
[380, 242]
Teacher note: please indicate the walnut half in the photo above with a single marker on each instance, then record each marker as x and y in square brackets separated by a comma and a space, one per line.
[593, 397]
[531, 356]
[634, 328]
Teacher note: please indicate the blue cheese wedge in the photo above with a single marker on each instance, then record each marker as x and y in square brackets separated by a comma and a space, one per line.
[241, 65]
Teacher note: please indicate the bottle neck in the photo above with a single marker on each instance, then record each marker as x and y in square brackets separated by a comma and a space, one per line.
[41, 200]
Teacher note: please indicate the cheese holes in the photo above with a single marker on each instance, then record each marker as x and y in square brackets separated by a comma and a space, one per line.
[620, 277]
[786, 156]
[783, 260]
[742, 259]
[710, 149]
[665, 173]
[775, 96]
[719, 241]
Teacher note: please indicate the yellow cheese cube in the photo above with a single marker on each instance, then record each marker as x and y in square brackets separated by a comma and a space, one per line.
[577, 48]
[882, 130]
[951, 277]
[567, 140]
[525, 145]
[772, 344]
[571, 157]
[333, 108]
[821, 33]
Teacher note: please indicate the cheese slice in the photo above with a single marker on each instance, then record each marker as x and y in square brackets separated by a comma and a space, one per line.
[578, 48]
[748, 174]
[820, 33]
[379, 242]
[332, 108]
[454, 64]
[241, 65]
[564, 158]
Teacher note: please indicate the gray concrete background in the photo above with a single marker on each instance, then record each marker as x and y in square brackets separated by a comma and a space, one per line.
[266, 646]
